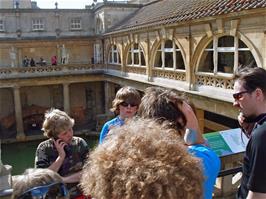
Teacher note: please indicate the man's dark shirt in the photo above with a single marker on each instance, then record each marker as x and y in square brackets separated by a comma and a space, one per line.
[254, 172]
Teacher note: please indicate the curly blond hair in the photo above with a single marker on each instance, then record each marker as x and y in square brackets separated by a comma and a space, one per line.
[144, 160]
[55, 122]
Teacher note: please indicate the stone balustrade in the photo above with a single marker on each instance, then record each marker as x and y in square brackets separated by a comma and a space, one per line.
[22, 72]
[225, 82]
[201, 79]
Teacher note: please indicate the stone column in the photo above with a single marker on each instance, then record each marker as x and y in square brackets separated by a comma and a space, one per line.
[148, 59]
[19, 58]
[18, 113]
[66, 97]
[200, 116]
[107, 96]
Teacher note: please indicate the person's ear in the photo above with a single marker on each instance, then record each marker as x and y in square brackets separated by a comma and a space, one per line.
[259, 94]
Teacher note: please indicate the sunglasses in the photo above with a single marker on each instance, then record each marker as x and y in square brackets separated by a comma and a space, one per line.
[50, 191]
[239, 95]
[125, 104]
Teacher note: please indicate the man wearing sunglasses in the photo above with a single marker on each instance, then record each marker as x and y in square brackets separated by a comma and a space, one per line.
[250, 98]
[39, 184]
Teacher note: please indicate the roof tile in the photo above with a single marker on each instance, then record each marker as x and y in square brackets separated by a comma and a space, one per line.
[173, 11]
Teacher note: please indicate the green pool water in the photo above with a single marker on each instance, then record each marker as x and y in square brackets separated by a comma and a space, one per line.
[21, 155]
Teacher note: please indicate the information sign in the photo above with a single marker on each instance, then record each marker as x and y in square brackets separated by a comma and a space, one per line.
[227, 142]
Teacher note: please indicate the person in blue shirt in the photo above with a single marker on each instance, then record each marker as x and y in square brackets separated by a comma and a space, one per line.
[165, 105]
[125, 105]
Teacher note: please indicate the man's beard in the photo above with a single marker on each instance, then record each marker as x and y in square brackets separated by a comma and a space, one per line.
[250, 118]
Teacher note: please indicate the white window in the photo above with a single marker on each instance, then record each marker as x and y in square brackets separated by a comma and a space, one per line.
[37, 24]
[169, 56]
[225, 55]
[75, 24]
[114, 57]
[2, 28]
[135, 56]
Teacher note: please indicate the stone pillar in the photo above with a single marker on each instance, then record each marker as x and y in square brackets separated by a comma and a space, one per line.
[148, 59]
[20, 58]
[107, 96]
[18, 114]
[200, 116]
[66, 97]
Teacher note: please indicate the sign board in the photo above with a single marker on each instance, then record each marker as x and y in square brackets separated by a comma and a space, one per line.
[227, 142]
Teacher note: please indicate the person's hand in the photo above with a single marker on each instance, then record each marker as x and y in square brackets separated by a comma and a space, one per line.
[246, 126]
[240, 119]
[193, 136]
[59, 145]
[192, 121]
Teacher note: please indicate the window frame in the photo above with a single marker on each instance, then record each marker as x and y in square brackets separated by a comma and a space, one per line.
[114, 54]
[216, 50]
[138, 52]
[37, 24]
[2, 25]
[76, 23]
[172, 50]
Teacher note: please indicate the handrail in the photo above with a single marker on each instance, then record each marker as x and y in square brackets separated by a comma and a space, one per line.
[227, 172]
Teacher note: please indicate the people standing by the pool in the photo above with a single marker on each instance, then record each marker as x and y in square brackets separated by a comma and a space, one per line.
[41, 62]
[125, 105]
[25, 61]
[32, 62]
[54, 60]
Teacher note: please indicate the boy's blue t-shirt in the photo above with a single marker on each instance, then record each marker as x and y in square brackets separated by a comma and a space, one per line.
[211, 167]
[117, 121]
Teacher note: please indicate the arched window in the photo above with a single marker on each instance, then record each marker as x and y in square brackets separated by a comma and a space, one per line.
[135, 56]
[114, 57]
[169, 56]
[225, 55]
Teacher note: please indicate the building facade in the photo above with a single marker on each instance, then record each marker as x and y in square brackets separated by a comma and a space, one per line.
[194, 47]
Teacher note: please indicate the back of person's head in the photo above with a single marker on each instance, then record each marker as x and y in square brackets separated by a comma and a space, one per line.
[252, 78]
[33, 178]
[125, 94]
[142, 160]
[162, 104]
[55, 122]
